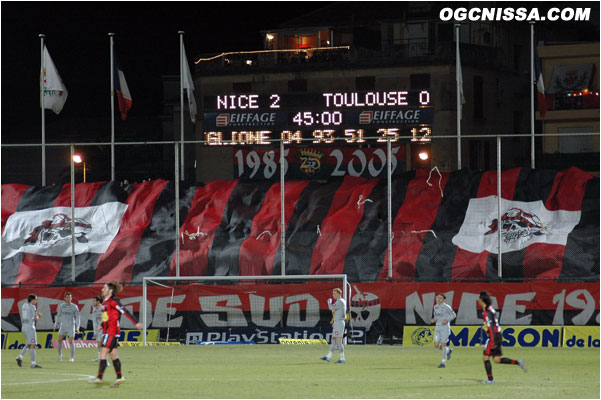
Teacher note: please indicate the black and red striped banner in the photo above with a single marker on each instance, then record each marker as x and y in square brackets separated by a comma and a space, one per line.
[443, 227]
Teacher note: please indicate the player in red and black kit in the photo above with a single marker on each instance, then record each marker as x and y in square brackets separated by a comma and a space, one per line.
[111, 312]
[495, 338]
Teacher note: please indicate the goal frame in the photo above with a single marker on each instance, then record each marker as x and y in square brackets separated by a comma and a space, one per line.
[346, 289]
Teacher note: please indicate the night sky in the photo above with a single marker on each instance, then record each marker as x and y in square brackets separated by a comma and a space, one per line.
[147, 44]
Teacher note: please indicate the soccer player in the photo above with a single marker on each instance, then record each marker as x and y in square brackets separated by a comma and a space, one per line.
[97, 323]
[29, 315]
[495, 338]
[443, 315]
[111, 311]
[338, 319]
[67, 319]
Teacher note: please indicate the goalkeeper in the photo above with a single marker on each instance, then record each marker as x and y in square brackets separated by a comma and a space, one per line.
[338, 320]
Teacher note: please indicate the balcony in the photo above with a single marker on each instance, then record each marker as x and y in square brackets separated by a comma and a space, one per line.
[572, 106]
[409, 52]
[273, 60]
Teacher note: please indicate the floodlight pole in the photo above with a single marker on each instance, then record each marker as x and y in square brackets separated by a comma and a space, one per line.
[389, 204]
[499, 241]
[72, 214]
[532, 84]
[459, 79]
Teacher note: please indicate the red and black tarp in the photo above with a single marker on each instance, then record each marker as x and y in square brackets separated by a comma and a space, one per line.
[443, 228]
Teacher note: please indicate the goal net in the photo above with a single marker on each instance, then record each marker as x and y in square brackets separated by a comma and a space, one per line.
[259, 309]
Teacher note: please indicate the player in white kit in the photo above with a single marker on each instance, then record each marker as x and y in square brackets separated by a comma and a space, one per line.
[443, 315]
[338, 321]
[29, 315]
[67, 319]
[97, 323]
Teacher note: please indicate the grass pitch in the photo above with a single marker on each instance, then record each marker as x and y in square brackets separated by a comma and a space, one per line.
[280, 371]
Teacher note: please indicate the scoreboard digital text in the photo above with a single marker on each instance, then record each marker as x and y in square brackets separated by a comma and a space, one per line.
[318, 118]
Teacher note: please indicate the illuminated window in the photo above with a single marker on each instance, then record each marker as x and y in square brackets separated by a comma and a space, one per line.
[308, 41]
[324, 38]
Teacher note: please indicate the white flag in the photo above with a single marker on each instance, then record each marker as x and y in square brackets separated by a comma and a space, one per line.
[189, 86]
[51, 85]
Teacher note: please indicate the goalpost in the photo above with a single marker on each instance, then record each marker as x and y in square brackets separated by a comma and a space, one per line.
[171, 282]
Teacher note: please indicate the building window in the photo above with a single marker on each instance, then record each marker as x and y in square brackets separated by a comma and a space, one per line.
[324, 38]
[419, 81]
[517, 52]
[389, 35]
[576, 144]
[365, 83]
[478, 97]
[242, 87]
[297, 85]
[417, 40]
[445, 33]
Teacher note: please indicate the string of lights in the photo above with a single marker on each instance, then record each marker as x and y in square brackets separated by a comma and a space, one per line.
[225, 54]
[585, 92]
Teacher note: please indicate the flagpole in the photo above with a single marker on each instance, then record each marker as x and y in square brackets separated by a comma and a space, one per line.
[459, 106]
[177, 245]
[43, 64]
[111, 36]
[532, 84]
[282, 211]
[181, 100]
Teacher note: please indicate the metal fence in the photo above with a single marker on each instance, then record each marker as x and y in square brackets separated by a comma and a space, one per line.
[387, 167]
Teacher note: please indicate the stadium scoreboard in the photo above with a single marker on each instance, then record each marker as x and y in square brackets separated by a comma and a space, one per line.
[319, 118]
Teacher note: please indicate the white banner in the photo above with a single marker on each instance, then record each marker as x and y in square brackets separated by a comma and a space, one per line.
[522, 223]
[47, 232]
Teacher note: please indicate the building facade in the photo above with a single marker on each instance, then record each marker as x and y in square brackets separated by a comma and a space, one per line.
[351, 48]
[571, 77]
